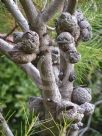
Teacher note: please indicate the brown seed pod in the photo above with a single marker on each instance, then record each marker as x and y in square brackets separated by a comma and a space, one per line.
[77, 126]
[85, 27]
[61, 75]
[66, 44]
[17, 37]
[55, 56]
[20, 57]
[65, 38]
[85, 35]
[72, 77]
[79, 15]
[30, 42]
[66, 23]
[88, 108]
[81, 95]
[35, 104]
[73, 56]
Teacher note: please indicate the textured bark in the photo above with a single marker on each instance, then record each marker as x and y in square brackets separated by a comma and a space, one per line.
[51, 9]
[30, 11]
[13, 8]
[71, 6]
[67, 87]
[30, 70]
[50, 91]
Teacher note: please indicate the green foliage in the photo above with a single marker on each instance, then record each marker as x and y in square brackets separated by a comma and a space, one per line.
[91, 51]
[6, 20]
[15, 87]
[90, 60]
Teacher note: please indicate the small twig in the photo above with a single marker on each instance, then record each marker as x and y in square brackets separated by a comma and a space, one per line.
[50, 28]
[11, 31]
[4, 126]
[98, 102]
[45, 4]
[93, 130]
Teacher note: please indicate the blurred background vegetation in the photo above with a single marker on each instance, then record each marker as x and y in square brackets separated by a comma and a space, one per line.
[16, 87]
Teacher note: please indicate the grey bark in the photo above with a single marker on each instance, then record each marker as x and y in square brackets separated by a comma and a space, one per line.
[13, 8]
[73, 133]
[66, 87]
[71, 6]
[30, 11]
[51, 9]
[29, 68]
[4, 126]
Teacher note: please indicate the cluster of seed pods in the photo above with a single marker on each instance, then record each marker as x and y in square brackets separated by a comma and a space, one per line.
[71, 29]
[26, 47]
